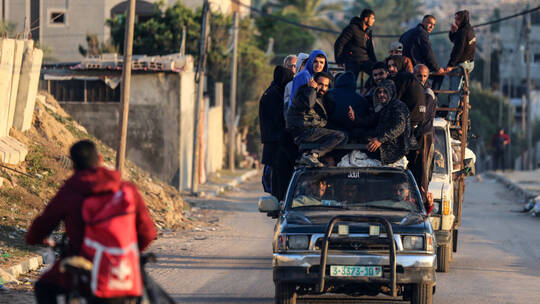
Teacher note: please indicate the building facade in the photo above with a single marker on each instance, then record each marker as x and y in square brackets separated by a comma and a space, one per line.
[60, 26]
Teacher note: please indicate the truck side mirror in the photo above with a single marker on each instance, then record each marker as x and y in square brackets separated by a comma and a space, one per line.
[268, 204]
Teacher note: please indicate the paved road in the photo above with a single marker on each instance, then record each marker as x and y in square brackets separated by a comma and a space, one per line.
[497, 260]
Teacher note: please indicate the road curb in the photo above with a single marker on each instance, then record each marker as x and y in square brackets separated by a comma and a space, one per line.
[235, 182]
[510, 184]
[23, 267]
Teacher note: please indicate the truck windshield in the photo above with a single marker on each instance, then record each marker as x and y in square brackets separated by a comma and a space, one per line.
[440, 163]
[356, 189]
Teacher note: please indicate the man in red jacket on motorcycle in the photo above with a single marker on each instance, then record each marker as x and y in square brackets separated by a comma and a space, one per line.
[89, 178]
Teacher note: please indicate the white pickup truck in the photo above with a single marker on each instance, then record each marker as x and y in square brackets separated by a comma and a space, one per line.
[445, 182]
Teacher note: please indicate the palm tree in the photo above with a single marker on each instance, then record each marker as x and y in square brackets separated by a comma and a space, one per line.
[314, 13]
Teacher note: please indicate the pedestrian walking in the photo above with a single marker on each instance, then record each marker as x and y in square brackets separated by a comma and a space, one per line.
[499, 141]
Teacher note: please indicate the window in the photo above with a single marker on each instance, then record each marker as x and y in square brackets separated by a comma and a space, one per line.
[535, 18]
[57, 17]
[536, 58]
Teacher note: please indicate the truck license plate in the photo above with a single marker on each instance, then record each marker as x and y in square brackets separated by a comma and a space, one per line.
[356, 271]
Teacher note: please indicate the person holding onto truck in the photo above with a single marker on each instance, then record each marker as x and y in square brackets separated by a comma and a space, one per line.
[271, 120]
[422, 163]
[464, 39]
[307, 119]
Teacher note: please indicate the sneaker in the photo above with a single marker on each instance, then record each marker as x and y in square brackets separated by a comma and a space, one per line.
[310, 160]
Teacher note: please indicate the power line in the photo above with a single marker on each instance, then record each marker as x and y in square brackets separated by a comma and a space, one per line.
[324, 30]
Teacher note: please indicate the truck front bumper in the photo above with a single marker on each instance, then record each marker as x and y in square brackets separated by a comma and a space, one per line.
[304, 268]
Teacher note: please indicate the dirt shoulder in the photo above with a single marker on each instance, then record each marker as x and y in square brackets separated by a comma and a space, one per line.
[28, 186]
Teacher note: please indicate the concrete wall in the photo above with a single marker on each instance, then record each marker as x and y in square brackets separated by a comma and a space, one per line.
[27, 91]
[214, 133]
[160, 127]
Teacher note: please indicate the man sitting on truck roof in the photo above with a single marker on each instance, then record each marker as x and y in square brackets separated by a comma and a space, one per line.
[388, 141]
[307, 119]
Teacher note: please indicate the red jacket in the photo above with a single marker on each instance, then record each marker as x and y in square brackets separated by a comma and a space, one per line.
[66, 206]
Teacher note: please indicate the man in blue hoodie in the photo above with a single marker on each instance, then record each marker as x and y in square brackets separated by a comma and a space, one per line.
[317, 62]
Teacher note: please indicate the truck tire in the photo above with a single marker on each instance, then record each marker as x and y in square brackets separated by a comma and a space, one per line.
[454, 240]
[422, 293]
[443, 257]
[451, 246]
[285, 293]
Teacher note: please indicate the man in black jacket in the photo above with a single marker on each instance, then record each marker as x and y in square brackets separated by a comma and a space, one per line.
[354, 46]
[417, 47]
[271, 120]
[464, 39]
[421, 166]
[307, 119]
[409, 90]
[390, 137]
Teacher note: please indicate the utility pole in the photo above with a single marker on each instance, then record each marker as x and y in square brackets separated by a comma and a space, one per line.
[509, 131]
[125, 87]
[524, 110]
[487, 59]
[529, 164]
[200, 77]
[232, 121]
[183, 45]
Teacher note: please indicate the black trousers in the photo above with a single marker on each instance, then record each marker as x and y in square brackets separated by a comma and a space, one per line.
[498, 159]
[357, 67]
[326, 139]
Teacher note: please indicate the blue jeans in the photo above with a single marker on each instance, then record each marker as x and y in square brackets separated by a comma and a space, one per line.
[456, 83]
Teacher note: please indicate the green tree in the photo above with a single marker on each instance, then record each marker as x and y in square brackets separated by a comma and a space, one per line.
[288, 38]
[95, 48]
[292, 39]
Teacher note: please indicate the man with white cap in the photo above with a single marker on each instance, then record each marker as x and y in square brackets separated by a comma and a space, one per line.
[396, 48]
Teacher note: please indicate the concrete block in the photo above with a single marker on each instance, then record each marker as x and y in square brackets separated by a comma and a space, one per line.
[17, 63]
[28, 86]
[12, 151]
[30, 264]
[7, 51]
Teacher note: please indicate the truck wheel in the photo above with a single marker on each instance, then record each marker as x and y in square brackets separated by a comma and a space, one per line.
[451, 250]
[285, 293]
[422, 293]
[443, 257]
[454, 240]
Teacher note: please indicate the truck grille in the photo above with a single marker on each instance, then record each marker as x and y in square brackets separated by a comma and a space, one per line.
[354, 244]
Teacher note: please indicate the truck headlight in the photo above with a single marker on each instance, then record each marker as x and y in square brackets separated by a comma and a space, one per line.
[413, 242]
[296, 242]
